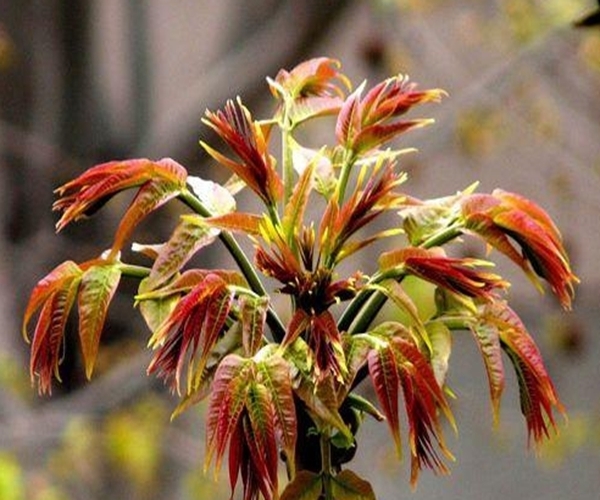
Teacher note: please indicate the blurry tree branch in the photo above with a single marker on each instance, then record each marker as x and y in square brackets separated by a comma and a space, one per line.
[43, 424]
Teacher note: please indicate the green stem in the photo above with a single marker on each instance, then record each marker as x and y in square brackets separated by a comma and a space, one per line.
[326, 469]
[353, 309]
[286, 156]
[347, 165]
[443, 237]
[133, 271]
[241, 260]
[368, 312]
[351, 316]
[363, 309]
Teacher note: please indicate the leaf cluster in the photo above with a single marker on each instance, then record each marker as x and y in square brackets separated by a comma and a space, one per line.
[289, 389]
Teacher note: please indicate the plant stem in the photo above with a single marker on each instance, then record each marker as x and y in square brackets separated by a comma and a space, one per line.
[363, 309]
[241, 260]
[134, 271]
[286, 157]
[443, 237]
[353, 309]
[326, 465]
[347, 165]
[368, 312]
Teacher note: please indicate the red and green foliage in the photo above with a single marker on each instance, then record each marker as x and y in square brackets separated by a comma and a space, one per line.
[286, 393]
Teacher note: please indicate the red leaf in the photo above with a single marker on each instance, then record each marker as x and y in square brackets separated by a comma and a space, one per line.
[326, 343]
[502, 219]
[151, 196]
[385, 378]
[299, 323]
[372, 197]
[348, 121]
[375, 135]
[58, 278]
[365, 124]
[275, 376]
[394, 97]
[422, 397]
[236, 222]
[537, 392]
[227, 401]
[314, 77]
[455, 275]
[237, 455]
[227, 344]
[190, 332]
[247, 140]
[49, 334]
[260, 437]
[218, 306]
[84, 194]
[309, 90]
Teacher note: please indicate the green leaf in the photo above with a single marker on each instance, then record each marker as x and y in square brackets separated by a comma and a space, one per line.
[305, 486]
[157, 309]
[351, 247]
[253, 312]
[98, 286]
[396, 293]
[356, 349]
[321, 401]
[295, 208]
[323, 170]
[363, 405]
[424, 220]
[217, 199]
[191, 235]
[12, 478]
[305, 108]
[319, 396]
[347, 485]
[262, 442]
[441, 348]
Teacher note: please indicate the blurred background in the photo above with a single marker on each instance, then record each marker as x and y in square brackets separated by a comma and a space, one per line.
[86, 81]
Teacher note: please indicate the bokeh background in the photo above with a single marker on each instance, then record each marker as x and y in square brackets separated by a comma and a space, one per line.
[88, 81]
